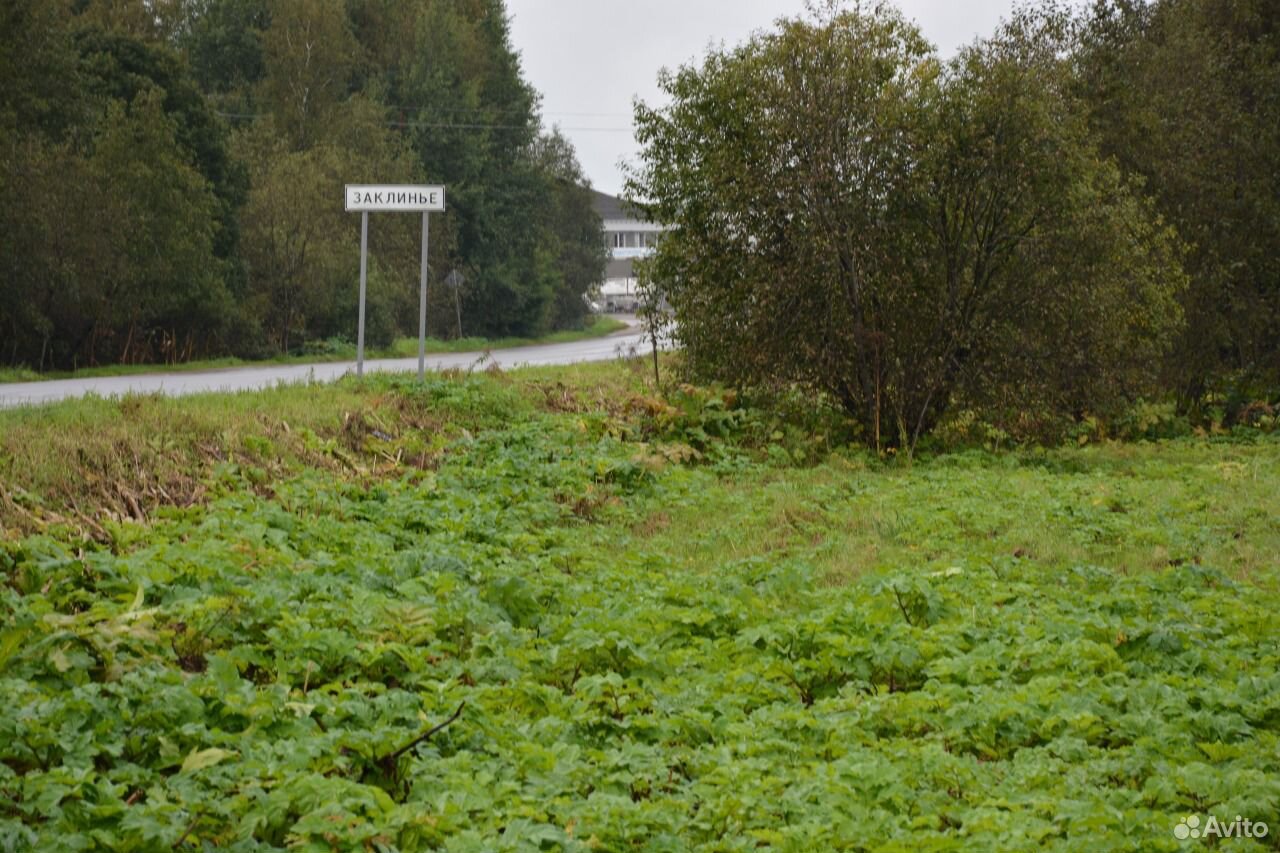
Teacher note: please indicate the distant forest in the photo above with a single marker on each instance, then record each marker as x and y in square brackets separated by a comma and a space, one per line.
[172, 177]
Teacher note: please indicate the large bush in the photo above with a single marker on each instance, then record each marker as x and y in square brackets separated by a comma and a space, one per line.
[850, 213]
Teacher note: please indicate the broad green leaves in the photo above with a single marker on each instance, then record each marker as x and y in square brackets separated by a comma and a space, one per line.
[199, 760]
[261, 673]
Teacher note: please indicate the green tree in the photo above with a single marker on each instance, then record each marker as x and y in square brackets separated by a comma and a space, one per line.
[170, 301]
[40, 110]
[38, 70]
[121, 232]
[471, 119]
[222, 40]
[572, 228]
[301, 248]
[847, 213]
[1051, 285]
[1186, 95]
[119, 67]
[63, 237]
[146, 20]
[310, 55]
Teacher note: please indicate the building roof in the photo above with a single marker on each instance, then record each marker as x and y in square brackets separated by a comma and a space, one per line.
[612, 207]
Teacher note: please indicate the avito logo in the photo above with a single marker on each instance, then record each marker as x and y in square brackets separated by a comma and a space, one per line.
[1192, 827]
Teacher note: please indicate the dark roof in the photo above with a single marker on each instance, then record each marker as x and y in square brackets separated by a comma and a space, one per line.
[612, 207]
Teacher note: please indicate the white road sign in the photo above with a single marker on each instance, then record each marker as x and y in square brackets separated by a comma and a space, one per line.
[405, 198]
[394, 198]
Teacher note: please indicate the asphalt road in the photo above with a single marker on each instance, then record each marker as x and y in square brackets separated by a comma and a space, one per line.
[250, 378]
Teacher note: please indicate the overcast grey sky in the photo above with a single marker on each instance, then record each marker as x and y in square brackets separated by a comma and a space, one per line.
[589, 58]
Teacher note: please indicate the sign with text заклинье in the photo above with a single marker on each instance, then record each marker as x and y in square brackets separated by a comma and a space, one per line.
[404, 198]
[393, 198]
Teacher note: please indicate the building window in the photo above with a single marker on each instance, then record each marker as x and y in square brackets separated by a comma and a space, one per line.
[619, 240]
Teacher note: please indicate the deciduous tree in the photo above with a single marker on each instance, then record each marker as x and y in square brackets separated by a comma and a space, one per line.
[848, 213]
[1185, 94]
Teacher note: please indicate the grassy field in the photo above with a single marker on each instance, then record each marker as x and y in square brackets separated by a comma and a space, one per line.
[596, 327]
[557, 610]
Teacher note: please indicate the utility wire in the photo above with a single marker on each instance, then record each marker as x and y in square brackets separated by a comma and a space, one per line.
[457, 125]
[492, 110]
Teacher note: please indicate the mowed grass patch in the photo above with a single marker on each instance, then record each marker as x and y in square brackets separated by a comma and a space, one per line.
[1132, 507]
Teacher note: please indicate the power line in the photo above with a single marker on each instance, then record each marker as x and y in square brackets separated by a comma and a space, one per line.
[494, 110]
[456, 125]
[437, 126]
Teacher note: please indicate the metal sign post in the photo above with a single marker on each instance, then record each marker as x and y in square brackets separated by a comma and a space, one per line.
[422, 304]
[364, 279]
[395, 198]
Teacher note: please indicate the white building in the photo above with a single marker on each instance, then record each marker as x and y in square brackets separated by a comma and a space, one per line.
[628, 237]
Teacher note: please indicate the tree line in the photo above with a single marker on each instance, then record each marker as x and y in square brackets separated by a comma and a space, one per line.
[172, 176]
[1079, 211]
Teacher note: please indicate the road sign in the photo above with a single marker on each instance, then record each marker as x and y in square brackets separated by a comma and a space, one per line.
[394, 198]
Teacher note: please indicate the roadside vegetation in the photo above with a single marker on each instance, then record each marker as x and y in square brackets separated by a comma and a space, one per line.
[176, 173]
[560, 609]
[1075, 212]
[948, 526]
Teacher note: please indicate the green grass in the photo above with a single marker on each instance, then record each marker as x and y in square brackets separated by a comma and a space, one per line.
[552, 610]
[1134, 508]
[80, 459]
[596, 327]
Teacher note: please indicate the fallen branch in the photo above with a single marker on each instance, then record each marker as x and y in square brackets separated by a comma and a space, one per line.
[422, 738]
[183, 837]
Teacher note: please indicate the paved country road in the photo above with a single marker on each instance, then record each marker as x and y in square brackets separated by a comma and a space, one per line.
[249, 378]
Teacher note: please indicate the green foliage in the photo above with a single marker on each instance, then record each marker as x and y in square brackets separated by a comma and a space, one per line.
[1183, 94]
[170, 209]
[38, 67]
[117, 67]
[529, 246]
[223, 43]
[850, 214]
[297, 244]
[309, 54]
[691, 424]
[279, 667]
[572, 228]
[118, 243]
[320, 94]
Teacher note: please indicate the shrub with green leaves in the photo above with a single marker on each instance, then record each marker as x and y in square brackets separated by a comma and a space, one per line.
[848, 212]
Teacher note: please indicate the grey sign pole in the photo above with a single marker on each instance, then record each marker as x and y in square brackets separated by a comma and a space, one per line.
[422, 304]
[364, 277]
